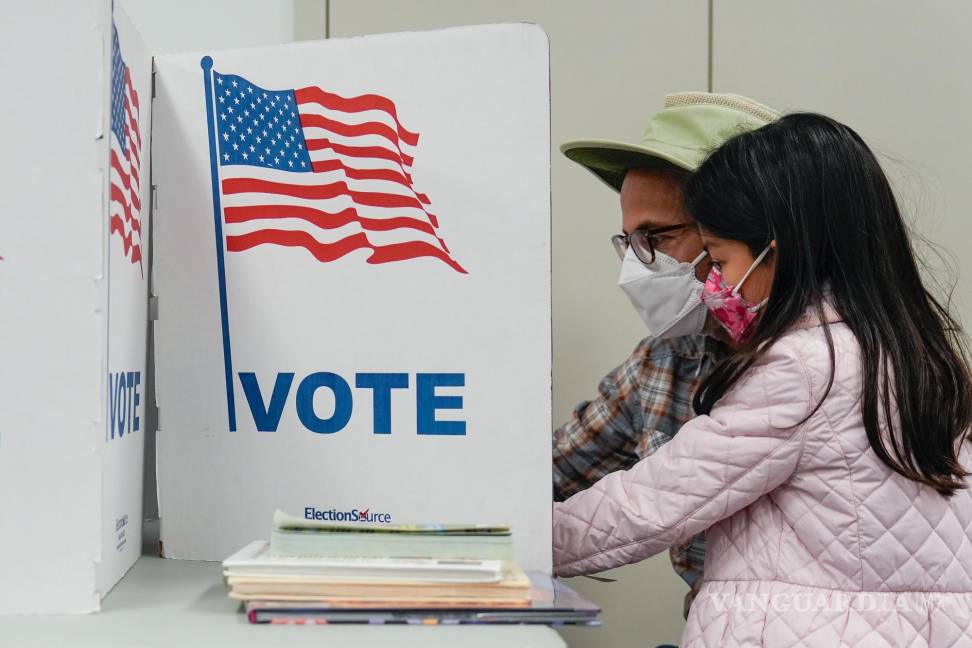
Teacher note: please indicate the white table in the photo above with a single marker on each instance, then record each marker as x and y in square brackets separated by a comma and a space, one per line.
[184, 603]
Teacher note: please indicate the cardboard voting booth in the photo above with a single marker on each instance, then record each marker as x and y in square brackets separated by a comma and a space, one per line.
[351, 257]
[352, 265]
[73, 291]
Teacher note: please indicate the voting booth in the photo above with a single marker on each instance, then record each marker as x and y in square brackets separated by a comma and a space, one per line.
[352, 266]
[350, 254]
[74, 273]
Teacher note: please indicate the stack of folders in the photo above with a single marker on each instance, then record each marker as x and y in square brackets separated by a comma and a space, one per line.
[322, 572]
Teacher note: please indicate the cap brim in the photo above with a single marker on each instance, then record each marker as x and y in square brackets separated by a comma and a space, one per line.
[610, 160]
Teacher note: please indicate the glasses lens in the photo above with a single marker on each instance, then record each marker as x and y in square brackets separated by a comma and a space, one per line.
[620, 245]
[641, 245]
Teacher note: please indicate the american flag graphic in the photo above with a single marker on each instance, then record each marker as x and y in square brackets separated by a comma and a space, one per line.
[126, 146]
[311, 169]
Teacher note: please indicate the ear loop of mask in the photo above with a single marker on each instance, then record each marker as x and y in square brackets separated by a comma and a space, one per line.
[759, 259]
[697, 260]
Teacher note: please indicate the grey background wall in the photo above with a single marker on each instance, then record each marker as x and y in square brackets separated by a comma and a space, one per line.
[895, 71]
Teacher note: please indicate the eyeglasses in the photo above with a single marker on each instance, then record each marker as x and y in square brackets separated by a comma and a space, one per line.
[642, 241]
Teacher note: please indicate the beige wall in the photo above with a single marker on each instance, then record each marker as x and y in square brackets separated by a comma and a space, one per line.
[896, 71]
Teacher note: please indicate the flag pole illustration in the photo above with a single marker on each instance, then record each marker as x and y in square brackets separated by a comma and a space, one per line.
[207, 66]
[310, 169]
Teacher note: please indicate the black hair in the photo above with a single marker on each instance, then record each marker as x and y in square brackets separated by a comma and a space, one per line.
[811, 184]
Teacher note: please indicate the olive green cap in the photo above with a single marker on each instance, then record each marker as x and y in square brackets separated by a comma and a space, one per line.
[681, 135]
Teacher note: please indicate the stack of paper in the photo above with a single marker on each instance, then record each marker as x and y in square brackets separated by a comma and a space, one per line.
[374, 582]
[321, 572]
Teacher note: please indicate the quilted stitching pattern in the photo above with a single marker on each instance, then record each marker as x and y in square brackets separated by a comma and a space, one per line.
[812, 541]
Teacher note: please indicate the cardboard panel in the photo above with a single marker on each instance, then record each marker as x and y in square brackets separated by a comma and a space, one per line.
[64, 483]
[128, 191]
[354, 285]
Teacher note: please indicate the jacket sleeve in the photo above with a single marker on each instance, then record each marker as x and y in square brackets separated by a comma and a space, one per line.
[715, 466]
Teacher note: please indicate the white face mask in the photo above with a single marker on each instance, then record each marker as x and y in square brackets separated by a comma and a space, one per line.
[666, 294]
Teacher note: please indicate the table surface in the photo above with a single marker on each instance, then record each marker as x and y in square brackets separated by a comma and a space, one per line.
[184, 603]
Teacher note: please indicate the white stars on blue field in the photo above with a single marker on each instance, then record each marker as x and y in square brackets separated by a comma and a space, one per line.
[258, 127]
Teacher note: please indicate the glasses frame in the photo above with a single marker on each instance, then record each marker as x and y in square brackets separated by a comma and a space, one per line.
[643, 247]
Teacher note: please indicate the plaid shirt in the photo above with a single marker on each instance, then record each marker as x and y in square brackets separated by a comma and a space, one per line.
[640, 406]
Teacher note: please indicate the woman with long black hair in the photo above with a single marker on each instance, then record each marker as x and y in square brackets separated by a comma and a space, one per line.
[829, 458]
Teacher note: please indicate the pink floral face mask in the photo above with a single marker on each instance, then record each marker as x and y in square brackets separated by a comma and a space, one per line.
[734, 312]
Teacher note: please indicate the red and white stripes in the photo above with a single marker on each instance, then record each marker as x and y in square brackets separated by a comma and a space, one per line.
[124, 203]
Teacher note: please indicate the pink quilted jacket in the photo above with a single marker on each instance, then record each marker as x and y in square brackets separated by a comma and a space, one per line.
[812, 541]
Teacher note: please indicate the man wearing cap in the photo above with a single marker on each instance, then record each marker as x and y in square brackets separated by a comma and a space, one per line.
[643, 403]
